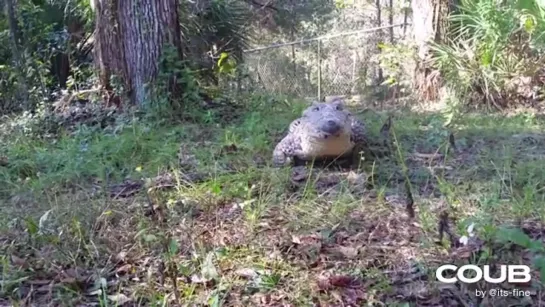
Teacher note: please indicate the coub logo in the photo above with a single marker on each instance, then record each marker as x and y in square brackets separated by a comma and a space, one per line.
[509, 273]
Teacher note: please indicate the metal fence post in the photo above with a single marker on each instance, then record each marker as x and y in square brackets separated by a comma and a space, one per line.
[319, 70]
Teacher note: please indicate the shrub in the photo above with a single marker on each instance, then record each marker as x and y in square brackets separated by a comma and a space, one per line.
[494, 52]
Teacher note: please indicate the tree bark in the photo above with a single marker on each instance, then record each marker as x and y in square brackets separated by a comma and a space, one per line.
[430, 24]
[130, 37]
[391, 20]
[15, 51]
[380, 75]
[405, 18]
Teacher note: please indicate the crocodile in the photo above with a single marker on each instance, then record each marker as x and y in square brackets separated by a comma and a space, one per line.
[324, 131]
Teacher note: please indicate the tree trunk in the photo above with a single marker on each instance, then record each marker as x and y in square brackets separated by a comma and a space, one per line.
[16, 52]
[430, 24]
[380, 75]
[391, 20]
[405, 17]
[60, 68]
[129, 40]
[61, 62]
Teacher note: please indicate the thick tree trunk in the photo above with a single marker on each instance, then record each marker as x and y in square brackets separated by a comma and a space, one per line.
[129, 40]
[429, 25]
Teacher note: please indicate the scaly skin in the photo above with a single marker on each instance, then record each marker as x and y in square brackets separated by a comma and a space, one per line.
[325, 130]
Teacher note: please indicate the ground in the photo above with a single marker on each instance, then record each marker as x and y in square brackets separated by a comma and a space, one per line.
[107, 216]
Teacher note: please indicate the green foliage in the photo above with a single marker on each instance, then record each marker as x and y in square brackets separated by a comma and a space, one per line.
[491, 47]
[220, 28]
[44, 30]
[309, 17]
[341, 4]
[226, 65]
[392, 60]
[518, 237]
[89, 153]
[166, 102]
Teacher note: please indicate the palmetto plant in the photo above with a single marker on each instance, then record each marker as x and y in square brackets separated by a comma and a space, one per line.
[490, 44]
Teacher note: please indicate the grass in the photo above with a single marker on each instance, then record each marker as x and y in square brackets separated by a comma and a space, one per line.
[249, 234]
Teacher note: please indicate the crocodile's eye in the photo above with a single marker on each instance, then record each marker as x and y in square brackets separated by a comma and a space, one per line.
[338, 107]
[316, 109]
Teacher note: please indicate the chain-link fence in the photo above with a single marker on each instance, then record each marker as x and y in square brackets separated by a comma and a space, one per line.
[342, 64]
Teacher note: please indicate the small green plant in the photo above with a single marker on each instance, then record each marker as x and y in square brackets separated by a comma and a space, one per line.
[536, 247]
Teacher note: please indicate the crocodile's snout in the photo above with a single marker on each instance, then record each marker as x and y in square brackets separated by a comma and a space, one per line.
[331, 127]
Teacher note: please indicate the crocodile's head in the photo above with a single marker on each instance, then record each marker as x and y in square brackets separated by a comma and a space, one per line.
[326, 121]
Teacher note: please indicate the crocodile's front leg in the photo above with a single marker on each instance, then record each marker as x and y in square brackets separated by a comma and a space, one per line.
[358, 131]
[286, 150]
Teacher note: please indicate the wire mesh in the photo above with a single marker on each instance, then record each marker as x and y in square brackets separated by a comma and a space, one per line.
[343, 65]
